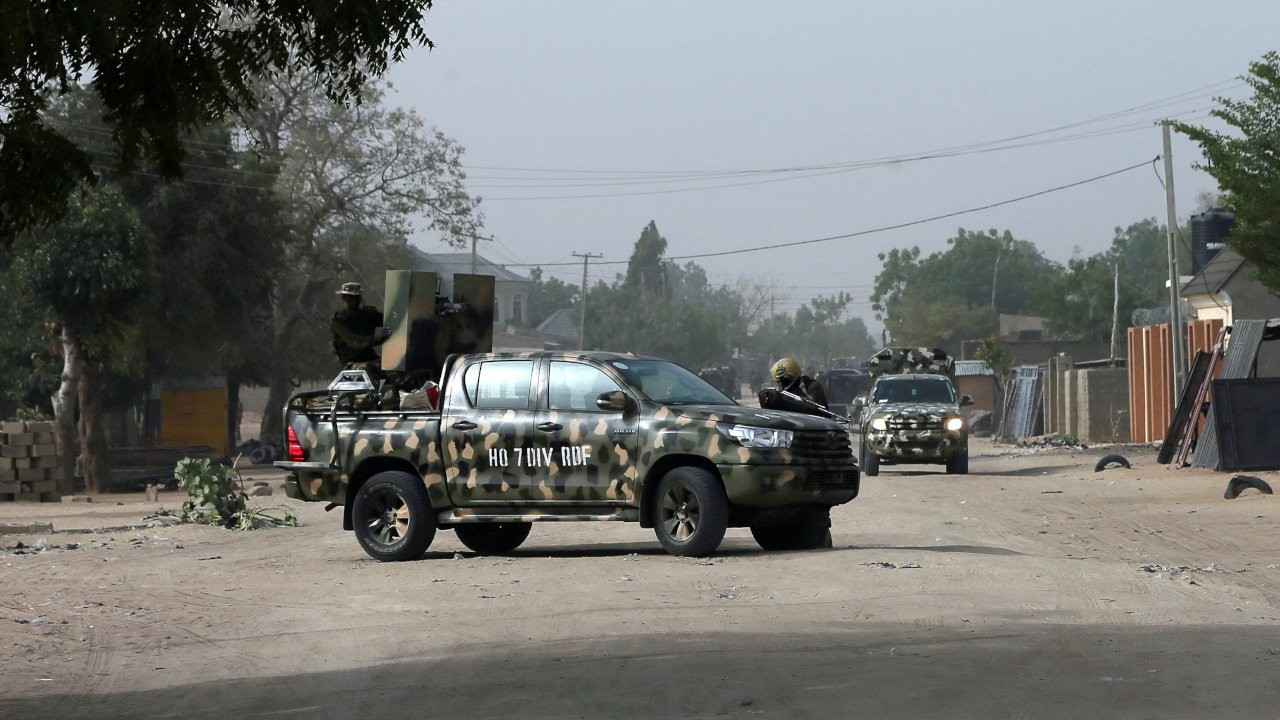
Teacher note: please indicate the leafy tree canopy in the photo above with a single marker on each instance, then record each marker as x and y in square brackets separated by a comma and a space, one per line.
[164, 68]
[954, 295]
[1246, 163]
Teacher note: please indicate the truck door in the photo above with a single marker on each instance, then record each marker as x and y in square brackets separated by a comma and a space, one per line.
[490, 453]
[594, 450]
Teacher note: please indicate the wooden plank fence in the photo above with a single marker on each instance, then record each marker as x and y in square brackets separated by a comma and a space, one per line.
[1151, 391]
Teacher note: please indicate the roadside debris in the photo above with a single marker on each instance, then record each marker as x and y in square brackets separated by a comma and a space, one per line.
[1106, 462]
[891, 566]
[1240, 483]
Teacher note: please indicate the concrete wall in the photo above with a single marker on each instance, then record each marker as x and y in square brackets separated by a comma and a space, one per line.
[1089, 404]
[1103, 405]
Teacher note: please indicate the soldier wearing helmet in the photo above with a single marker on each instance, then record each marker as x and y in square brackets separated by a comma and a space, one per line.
[786, 373]
[357, 330]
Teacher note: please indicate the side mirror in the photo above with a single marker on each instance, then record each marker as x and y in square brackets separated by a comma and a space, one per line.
[966, 400]
[616, 401]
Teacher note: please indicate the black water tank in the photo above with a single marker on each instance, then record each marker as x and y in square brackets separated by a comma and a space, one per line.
[1209, 230]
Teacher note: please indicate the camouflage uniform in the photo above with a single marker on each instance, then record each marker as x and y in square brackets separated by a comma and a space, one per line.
[786, 372]
[355, 332]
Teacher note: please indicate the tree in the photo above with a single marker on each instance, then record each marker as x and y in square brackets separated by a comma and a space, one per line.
[1085, 290]
[1246, 164]
[349, 180]
[547, 296]
[955, 295]
[161, 73]
[86, 274]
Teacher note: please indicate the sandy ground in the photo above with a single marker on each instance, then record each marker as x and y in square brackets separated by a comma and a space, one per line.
[1033, 588]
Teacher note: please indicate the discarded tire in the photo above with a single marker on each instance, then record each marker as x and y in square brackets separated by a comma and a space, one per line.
[1110, 461]
[1240, 483]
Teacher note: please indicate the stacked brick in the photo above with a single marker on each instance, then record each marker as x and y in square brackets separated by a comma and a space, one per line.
[28, 460]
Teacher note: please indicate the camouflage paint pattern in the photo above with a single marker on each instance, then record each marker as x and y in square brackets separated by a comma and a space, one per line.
[906, 360]
[427, 327]
[914, 432]
[580, 465]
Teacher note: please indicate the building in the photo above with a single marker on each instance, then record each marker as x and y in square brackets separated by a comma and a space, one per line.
[1226, 290]
[511, 291]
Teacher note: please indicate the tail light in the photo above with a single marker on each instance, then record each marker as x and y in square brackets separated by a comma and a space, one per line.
[295, 449]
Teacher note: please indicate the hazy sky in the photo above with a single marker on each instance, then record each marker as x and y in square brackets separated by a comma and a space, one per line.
[655, 103]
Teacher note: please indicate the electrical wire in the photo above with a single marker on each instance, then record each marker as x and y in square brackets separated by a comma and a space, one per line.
[1186, 96]
[884, 228]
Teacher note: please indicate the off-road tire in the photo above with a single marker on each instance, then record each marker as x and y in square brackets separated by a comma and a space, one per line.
[493, 538]
[392, 516]
[1240, 483]
[691, 512]
[810, 531]
[869, 460]
[1109, 461]
[958, 465]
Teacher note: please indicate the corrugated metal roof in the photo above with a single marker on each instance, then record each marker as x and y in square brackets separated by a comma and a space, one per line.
[971, 367]
[1215, 275]
[446, 264]
[562, 324]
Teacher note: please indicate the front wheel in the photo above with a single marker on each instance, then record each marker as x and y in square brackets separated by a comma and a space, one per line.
[392, 516]
[812, 530]
[692, 512]
[958, 465]
[870, 461]
[493, 538]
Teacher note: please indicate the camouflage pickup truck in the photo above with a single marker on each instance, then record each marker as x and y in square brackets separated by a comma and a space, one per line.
[555, 436]
[911, 414]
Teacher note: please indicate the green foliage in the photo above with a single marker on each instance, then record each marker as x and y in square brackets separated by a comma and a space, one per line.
[215, 497]
[674, 311]
[995, 355]
[955, 295]
[547, 296]
[817, 334]
[160, 73]
[1246, 164]
[1084, 291]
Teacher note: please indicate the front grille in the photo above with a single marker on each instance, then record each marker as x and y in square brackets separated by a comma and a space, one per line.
[831, 480]
[821, 445]
[914, 422]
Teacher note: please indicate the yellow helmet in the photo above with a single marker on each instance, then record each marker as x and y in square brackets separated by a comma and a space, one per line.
[785, 371]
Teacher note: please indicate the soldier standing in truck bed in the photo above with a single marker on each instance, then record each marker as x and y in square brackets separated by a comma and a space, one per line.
[357, 330]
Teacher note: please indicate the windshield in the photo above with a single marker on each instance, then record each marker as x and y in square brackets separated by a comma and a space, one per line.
[669, 384]
[922, 390]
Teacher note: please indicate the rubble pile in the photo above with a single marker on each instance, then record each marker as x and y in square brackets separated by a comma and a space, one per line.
[28, 458]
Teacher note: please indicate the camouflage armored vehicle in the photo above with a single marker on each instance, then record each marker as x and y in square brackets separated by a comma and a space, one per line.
[911, 412]
[519, 438]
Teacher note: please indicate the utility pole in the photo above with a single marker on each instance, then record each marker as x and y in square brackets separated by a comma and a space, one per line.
[1115, 316]
[1175, 317]
[582, 299]
[474, 239]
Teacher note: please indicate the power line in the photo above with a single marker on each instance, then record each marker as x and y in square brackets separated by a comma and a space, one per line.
[884, 228]
[1187, 96]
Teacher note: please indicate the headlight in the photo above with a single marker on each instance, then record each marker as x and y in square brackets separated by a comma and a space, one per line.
[750, 436]
[954, 424]
[879, 424]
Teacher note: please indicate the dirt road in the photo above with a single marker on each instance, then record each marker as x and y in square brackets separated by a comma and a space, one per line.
[1033, 588]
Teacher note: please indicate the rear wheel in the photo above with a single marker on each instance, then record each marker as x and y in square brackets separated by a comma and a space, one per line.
[692, 512]
[392, 517]
[811, 530]
[870, 461]
[958, 465]
[493, 538]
